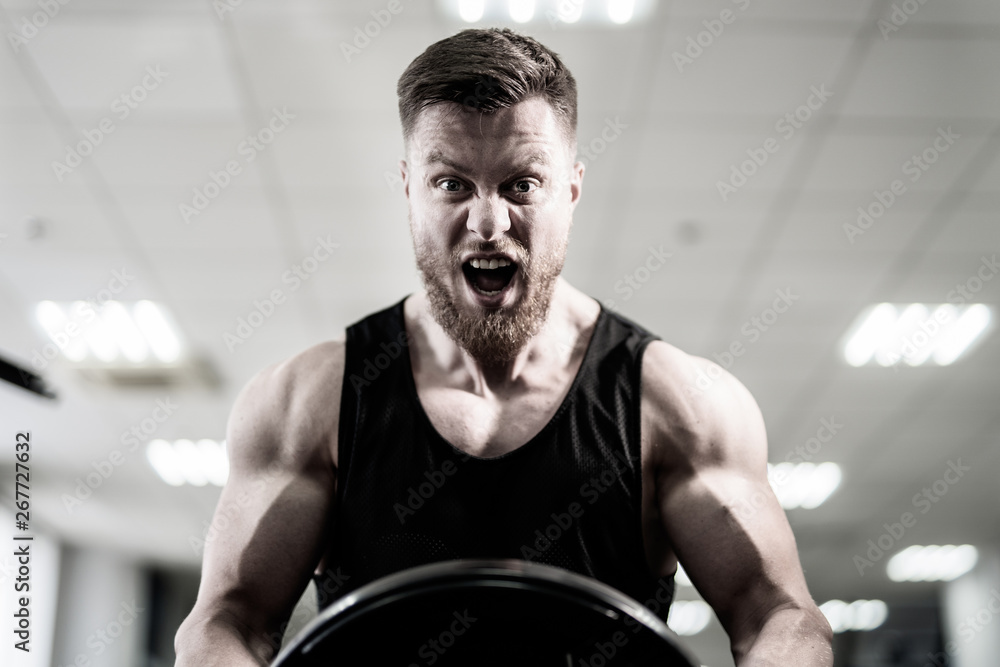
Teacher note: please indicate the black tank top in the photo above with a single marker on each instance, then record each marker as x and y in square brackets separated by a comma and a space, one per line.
[570, 497]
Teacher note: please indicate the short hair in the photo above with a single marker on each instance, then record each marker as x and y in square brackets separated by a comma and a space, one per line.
[487, 69]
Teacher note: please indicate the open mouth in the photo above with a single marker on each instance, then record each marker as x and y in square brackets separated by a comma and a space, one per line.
[489, 277]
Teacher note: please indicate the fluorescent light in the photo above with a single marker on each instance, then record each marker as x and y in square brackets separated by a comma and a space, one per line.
[101, 340]
[868, 614]
[960, 561]
[891, 346]
[554, 14]
[50, 316]
[107, 332]
[81, 313]
[970, 325]
[154, 327]
[191, 463]
[860, 615]
[126, 334]
[164, 461]
[214, 461]
[471, 10]
[805, 485]
[185, 462]
[915, 333]
[62, 329]
[865, 340]
[621, 11]
[824, 480]
[932, 562]
[919, 355]
[689, 617]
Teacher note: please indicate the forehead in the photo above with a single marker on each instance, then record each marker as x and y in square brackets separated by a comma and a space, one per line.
[448, 131]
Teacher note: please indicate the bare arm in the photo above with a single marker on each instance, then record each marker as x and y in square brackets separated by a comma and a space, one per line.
[721, 516]
[270, 527]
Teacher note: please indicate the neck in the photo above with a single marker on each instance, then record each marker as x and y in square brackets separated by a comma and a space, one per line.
[557, 346]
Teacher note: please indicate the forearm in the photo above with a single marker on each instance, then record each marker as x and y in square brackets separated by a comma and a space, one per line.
[789, 637]
[217, 642]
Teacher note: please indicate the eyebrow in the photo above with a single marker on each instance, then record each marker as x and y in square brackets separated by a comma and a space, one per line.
[438, 157]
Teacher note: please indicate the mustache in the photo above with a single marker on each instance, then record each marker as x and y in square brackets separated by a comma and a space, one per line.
[505, 246]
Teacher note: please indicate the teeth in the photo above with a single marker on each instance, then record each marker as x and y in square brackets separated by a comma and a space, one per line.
[489, 263]
[491, 293]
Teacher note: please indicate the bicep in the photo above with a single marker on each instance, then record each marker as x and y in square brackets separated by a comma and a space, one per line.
[722, 517]
[269, 528]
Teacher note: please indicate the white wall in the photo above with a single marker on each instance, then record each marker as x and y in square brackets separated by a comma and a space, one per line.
[971, 614]
[103, 611]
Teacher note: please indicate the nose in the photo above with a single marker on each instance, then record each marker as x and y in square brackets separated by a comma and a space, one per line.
[488, 217]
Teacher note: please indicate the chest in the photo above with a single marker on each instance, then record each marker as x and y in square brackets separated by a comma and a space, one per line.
[488, 428]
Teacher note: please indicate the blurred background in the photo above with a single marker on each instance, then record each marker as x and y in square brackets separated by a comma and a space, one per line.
[804, 192]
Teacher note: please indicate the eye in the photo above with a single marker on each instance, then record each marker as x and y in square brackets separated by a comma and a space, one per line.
[524, 187]
[450, 185]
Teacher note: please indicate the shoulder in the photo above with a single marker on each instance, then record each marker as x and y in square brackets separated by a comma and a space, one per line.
[288, 413]
[696, 414]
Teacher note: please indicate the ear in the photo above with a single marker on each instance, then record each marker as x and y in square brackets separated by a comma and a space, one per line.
[405, 175]
[576, 184]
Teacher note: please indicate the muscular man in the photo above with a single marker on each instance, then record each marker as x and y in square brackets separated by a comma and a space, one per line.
[500, 412]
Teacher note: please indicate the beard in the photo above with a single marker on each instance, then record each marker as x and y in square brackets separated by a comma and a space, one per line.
[491, 337]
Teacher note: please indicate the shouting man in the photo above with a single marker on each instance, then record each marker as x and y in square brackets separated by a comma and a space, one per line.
[469, 419]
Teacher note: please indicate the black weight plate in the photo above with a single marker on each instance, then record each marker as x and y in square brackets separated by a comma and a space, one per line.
[484, 613]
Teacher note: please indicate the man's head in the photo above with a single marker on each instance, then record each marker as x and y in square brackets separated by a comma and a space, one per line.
[487, 69]
[489, 121]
